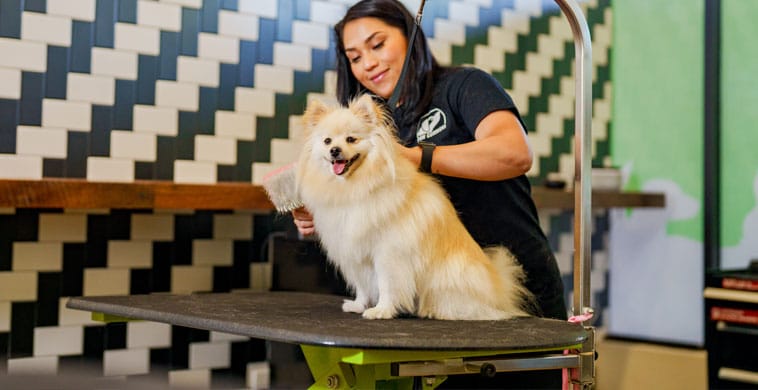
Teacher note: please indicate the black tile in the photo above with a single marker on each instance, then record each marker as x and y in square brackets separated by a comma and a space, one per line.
[245, 160]
[94, 342]
[57, 72]
[207, 110]
[144, 170]
[209, 16]
[105, 21]
[141, 281]
[126, 97]
[229, 74]
[22, 329]
[9, 113]
[285, 14]
[242, 252]
[147, 74]
[49, 288]
[4, 351]
[121, 224]
[27, 225]
[100, 133]
[226, 173]
[222, 277]
[168, 53]
[127, 11]
[266, 33]
[35, 5]
[31, 98]
[231, 5]
[166, 155]
[180, 339]
[115, 335]
[160, 359]
[10, 18]
[248, 55]
[185, 141]
[303, 9]
[76, 154]
[225, 378]
[163, 259]
[53, 167]
[82, 39]
[190, 31]
[73, 269]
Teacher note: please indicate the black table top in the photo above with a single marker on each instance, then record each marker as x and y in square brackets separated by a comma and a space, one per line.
[316, 319]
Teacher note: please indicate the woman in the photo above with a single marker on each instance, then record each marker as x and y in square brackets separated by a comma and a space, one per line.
[472, 136]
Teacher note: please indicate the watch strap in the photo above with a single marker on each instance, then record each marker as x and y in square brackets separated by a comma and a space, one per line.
[427, 151]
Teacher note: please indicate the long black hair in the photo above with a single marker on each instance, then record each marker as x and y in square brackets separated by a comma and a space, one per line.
[423, 68]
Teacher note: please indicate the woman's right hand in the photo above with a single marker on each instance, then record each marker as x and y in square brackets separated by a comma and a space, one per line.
[304, 221]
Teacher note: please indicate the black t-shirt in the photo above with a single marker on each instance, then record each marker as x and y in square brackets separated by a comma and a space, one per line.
[494, 212]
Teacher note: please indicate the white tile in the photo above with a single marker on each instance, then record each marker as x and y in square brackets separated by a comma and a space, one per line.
[260, 276]
[10, 88]
[117, 362]
[52, 30]
[190, 379]
[89, 88]
[215, 47]
[76, 9]
[23, 55]
[259, 102]
[238, 125]
[448, 31]
[58, 340]
[45, 365]
[465, 12]
[212, 252]
[66, 114]
[130, 254]
[209, 355]
[146, 334]
[68, 316]
[182, 96]
[102, 281]
[238, 25]
[311, 34]
[188, 279]
[198, 71]
[18, 286]
[106, 169]
[20, 167]
[157, 120]
[63, 227]
[38, 141]
[197, 172]
[274, 78]
[285, 150]
[157, 227]
[264, 8]
[134, 146]
[5, 316]
[164, 16]
[233, 226]
[215, 149]
[297, 57]
[115, 63]
[326, 12]
[143, 40]
[37, 256]
[258, 376]
[219, 336]
[185, 3]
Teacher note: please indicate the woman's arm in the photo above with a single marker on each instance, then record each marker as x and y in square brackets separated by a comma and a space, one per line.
[500, 151]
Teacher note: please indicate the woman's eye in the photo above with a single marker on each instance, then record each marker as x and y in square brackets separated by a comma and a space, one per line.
[351, 140]
[327, 141]
[379, 45]
[354, 60]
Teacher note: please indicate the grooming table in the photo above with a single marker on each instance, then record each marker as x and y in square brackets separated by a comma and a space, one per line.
[343, 350]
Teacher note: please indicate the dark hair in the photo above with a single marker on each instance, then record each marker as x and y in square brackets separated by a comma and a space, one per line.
[422, 68]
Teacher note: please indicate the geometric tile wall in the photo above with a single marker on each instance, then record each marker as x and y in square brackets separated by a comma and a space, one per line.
[205, 91]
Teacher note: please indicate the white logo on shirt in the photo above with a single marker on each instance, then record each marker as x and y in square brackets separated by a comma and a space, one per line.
[431, 124]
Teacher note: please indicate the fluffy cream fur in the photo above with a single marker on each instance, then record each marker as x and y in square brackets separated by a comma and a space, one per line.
[391, 231]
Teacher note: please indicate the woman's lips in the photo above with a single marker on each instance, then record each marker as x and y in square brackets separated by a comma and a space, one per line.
[378, 78]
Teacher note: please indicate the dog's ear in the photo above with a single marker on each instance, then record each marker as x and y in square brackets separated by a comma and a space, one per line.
[365, 108]
[313, 113]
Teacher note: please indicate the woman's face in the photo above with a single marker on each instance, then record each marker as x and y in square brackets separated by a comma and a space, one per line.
[376, 52]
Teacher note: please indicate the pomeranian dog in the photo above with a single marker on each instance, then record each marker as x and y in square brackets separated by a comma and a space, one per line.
[392, 231]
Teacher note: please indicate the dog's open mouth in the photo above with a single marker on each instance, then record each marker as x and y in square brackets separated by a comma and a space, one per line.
[340, 167]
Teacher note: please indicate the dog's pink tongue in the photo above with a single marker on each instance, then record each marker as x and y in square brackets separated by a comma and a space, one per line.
[338, 167]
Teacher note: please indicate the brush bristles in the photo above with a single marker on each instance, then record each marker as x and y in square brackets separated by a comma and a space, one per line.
[280, 187]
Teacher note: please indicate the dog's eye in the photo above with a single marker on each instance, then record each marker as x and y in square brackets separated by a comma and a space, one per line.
[327, 141]
[351, 140]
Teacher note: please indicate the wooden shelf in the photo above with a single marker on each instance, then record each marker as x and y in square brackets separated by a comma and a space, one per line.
[154, 194]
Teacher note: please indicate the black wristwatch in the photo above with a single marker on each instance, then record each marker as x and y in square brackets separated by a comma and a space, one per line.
[427, 150]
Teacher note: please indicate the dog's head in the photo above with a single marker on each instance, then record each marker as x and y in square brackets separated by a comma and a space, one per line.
[346, 142]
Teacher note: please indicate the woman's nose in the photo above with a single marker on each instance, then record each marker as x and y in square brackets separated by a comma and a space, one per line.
[369, 61]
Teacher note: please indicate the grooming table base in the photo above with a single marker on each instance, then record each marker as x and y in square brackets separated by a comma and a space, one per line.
[344, 346]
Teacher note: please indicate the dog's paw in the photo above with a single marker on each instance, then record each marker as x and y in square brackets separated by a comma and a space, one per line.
[353, 307]
[379, 313]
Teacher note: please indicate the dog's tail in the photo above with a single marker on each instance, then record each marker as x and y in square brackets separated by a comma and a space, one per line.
[516, 297]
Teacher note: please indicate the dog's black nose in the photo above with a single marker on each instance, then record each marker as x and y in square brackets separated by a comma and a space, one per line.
[335, 151]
